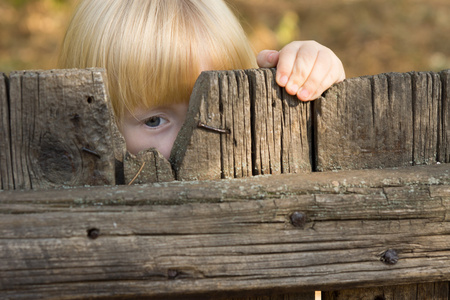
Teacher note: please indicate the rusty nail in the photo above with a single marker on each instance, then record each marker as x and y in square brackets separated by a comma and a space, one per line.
[91, 152]
[93, 233]
[389, 257]
[219, 130]
[298, 219]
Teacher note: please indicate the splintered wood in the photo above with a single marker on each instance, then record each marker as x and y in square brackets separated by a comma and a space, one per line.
[147, 166]
[60, 129]
[239, 124]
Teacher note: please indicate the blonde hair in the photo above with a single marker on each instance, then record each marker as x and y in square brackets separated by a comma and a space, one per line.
[153, 50]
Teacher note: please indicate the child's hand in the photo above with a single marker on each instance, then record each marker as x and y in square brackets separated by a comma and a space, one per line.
[305, 68]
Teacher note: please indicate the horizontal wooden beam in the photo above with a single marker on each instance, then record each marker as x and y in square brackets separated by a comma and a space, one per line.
[285, 233]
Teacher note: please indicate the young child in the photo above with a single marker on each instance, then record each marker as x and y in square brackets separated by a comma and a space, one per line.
[154, 50]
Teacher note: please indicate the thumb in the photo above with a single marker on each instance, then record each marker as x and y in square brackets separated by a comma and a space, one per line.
[267, 58]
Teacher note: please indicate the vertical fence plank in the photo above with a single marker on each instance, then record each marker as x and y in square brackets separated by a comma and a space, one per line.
[196, 154]
[235, 146]
[61, 129]
[252, 127]
[444, 128]
[282, 127]
[6, 178]
[426, 107]
[21, 87]
[386, 120]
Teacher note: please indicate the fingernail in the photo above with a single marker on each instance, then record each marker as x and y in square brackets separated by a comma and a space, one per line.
[283, 80]
[303, 94]
[270, 57]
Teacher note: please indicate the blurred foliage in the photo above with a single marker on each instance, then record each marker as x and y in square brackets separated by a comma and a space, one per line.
[21, 3]
[370, 36]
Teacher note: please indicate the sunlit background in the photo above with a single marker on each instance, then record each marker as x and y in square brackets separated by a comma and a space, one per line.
[370, 36]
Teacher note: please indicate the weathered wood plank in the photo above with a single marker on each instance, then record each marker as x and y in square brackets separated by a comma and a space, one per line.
[427, 101]
[6, 177]
[421, 291]
[213, 238]
[196, 152]
[282, 127]
[236, 146]
[147, 166]
[252, 127]
[365, 123]
[444, 128]
[386, 120]
[61, 129]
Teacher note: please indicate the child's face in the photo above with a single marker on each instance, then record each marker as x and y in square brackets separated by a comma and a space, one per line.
[157, 128]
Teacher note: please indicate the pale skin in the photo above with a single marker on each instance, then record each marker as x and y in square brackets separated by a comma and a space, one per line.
[305, 68]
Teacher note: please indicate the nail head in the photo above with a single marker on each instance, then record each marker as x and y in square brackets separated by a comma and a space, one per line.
[390, 257]
[298, 219]
[93, 233]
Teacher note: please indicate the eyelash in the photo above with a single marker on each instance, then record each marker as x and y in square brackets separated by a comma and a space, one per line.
[160, 120]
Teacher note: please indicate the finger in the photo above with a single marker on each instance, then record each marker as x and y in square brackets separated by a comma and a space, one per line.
[326, 71]
[286, 62]
[267, 58]
[306, 61]
[323, 86]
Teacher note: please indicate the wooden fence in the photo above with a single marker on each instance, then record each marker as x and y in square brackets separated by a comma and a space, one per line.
[371, 224]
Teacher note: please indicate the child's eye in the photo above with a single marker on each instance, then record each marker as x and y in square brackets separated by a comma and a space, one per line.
[155, 121]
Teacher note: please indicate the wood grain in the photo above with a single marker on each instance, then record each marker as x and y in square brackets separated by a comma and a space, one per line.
[444, 128]
[147, 166]
[219, 238]
[196, 152]
[60, 129]
[253, 127]
[421, 291]
[6, 176]
[385, 120]
[282, 127]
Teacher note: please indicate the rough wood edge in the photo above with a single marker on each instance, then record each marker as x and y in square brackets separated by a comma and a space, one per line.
[146, 167]
[6, 176]
[444, 125]
[249, 207]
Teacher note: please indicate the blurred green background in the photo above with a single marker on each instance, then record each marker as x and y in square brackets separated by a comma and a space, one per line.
[370, 36]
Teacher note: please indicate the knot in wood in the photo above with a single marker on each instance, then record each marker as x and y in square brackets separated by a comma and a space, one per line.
[298, 219]
[390, 257]
[93, 233]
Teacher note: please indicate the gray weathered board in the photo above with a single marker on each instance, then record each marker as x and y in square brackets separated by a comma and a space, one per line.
[6, 176]
[56, 121]
[386, 120]
[257, 235]
[264, 130]
[421, 291]
[56, 128]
